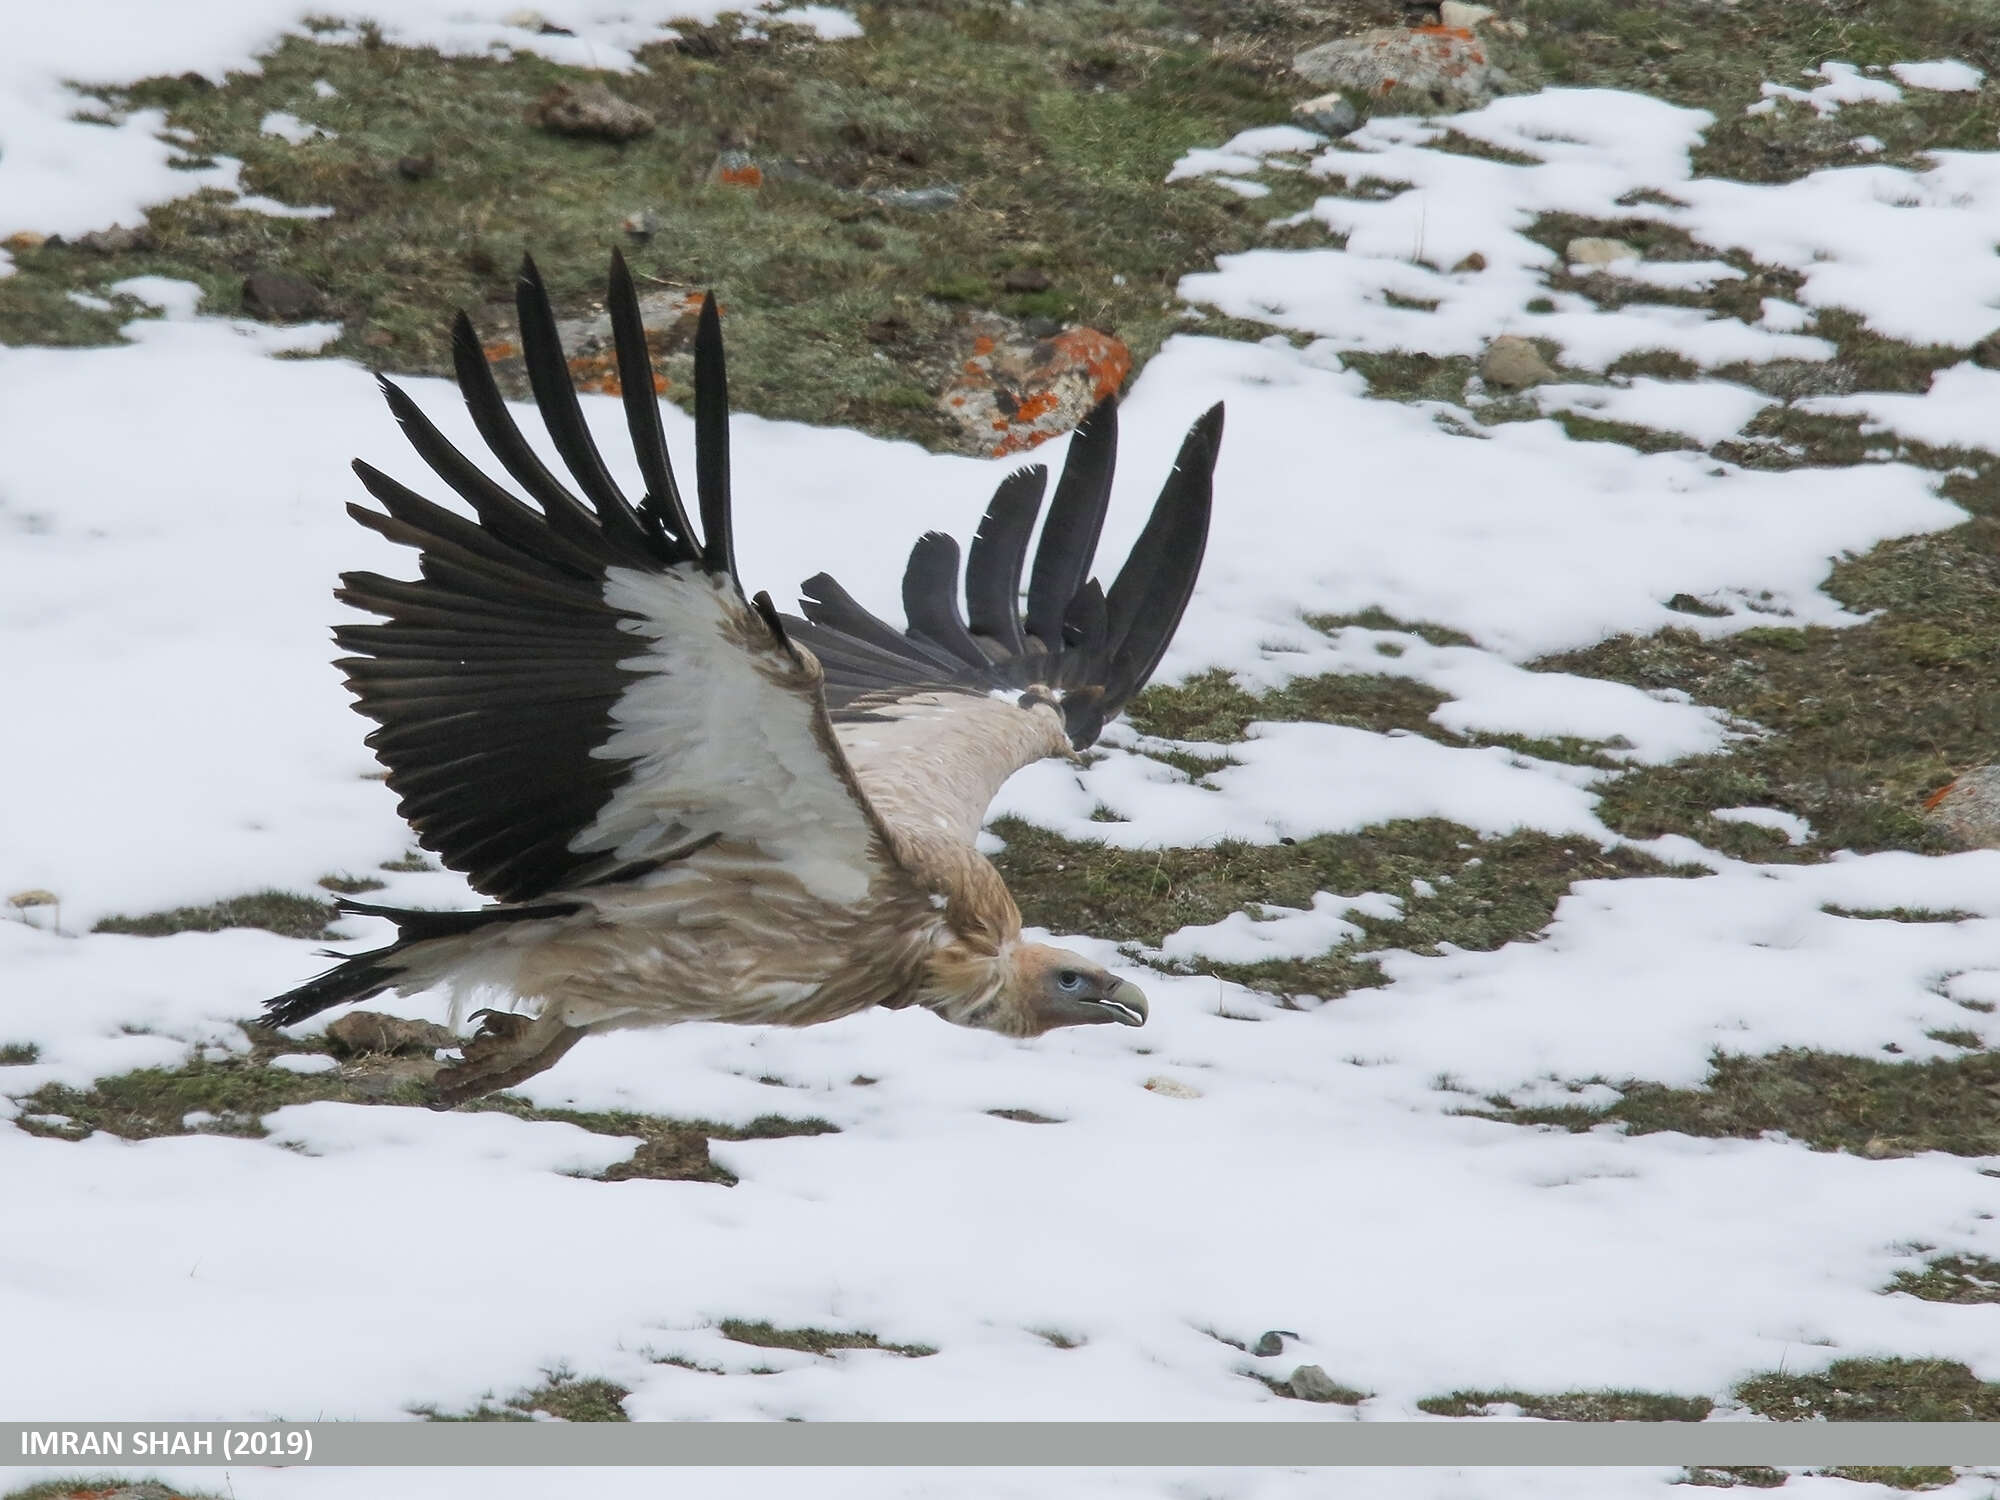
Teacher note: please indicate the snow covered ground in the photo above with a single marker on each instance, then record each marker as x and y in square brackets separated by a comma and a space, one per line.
[177, 737]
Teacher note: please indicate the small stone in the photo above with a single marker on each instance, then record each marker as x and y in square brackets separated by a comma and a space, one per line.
[1026, 279]
[1513, 363]
[1330, 114]
[590, 110]
[1041, 328]
[1311, 1383]
[416, 168]
[117, 240]
[1969, 808]
[1590, 250]
[1472, 262]
[1986, 353]
[1271, 1342]
[280, 299]
[918, 200]
[1172, 1088]
[642, 225]
[1458, 14]
[362, 1033]
[24, 239]
[738, 169]
[1421, 68]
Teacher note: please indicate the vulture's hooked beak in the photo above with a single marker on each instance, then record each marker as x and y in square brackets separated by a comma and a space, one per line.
[1127, 1003]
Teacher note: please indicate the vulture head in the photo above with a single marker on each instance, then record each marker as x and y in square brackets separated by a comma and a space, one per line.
[1053, 987]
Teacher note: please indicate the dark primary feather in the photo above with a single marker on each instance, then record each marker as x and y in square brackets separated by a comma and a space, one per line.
[1076, 517]
[1095, 647]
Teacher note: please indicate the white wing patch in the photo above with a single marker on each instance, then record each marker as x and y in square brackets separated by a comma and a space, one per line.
[720, 732]
[931, 762]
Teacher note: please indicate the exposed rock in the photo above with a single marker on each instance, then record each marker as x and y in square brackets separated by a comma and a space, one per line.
[116, 240]
[1513, 363]
[643, 225]
[1171, 1088]
[680, 1156]
[918, 200]
[361, 1032]
[280, 299]
[1271, 1342]
[1311, 1383]
[669, 317]
[1009, 395]
[1456, 13]
[1425, 68]
[738, 169]
[1473, 262]
[1026, 279]
[1329, 114]
[416, 168]
[1590, 250]
[592, 110]
[378, 1077]
[1969, 808]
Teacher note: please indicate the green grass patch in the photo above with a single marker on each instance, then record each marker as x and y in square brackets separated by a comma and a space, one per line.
[286, 913]
[1732, 1476]
[1486, 892]
[1575, 1406]
[1829, 1101]
[1875, 1390]
[1908, 1477]
[18, 1054]
[812, 1340]
[1863, 723]
[1057, 126]
[237, 1092]
[564, 1396]
[1964, 1279]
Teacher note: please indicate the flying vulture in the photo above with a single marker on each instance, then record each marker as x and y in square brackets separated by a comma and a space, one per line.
[685, 805]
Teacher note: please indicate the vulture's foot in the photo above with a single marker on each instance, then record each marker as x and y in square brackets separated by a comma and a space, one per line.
[506, 1049]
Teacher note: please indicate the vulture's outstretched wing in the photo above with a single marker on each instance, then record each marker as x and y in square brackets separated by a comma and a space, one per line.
[1091, 648]
[579, 693]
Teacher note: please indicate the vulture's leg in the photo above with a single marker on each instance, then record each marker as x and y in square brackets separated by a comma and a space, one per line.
[506, 1049]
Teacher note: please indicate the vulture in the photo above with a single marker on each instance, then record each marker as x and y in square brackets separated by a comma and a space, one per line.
[684, 804]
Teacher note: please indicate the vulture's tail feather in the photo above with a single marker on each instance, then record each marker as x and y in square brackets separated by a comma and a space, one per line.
[364, 975]
[1076, 517]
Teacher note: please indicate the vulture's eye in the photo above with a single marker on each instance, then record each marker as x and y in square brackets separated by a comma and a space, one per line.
[1069, 981]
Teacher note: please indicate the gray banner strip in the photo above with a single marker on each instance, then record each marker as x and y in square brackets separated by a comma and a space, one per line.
[124, 1445]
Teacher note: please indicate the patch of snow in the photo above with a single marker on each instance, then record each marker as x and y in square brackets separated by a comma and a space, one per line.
[1706, 410]
[1795, 828]
[1943, 76]
[305, 1062]
[1956, 412]
[176, 298]
[290, 128]
[1279, 932]
[828, 22]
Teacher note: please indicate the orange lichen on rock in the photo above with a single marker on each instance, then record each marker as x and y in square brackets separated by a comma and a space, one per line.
[500, 349]
[1013, 394]
[599, 373]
